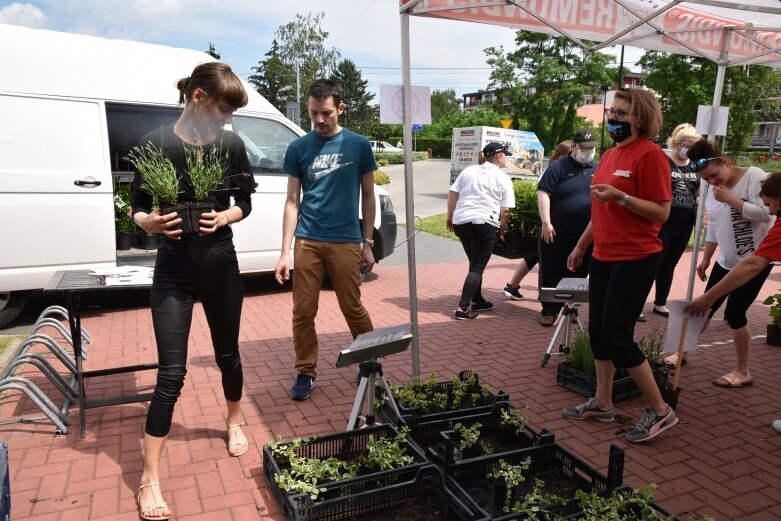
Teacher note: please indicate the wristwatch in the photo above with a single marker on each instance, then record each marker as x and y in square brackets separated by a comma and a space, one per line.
[624, 199]
[370, 242]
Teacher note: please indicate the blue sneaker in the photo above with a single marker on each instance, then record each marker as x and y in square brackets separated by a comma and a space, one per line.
[303, 386]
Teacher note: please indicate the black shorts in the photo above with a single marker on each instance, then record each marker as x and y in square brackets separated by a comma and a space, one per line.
[738, 300]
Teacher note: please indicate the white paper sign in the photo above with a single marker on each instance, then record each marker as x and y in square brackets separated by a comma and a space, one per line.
[392, 104]
[703, 120]
[675, 324]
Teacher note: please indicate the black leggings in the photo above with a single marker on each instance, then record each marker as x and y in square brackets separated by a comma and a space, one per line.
[617, 292]
[478, 242]
[675, 235]
[203, 267]
[739, 299]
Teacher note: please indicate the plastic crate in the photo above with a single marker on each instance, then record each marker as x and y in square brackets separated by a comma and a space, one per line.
[413, 416]
[5, 484]
[345, 446]
[661, 512]
[547, 461]
[442, 447]
[586, 385]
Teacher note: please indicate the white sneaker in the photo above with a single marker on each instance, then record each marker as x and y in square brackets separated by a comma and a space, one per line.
[777, 426]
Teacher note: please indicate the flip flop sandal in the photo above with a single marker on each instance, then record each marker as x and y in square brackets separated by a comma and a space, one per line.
[241, 446]
[156, 503]
[724, 381]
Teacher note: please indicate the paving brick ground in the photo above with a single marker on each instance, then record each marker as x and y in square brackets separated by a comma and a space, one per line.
[723, 459]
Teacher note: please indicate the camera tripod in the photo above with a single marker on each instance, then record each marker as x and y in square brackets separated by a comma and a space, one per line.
[568, 314]
[369, 371]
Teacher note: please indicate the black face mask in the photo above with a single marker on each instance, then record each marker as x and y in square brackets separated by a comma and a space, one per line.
[619, 130]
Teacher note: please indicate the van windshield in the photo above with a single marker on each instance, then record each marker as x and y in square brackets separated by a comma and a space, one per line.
[266, 142]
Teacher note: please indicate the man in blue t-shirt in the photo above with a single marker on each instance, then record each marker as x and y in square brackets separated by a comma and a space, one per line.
[564, 199]
[329, 169]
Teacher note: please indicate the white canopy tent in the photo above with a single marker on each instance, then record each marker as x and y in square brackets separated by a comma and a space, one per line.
[726, 32]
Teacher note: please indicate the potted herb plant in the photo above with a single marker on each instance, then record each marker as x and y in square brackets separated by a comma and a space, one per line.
[206, 170]
[774, 328]
[523, 225]
[124, 225]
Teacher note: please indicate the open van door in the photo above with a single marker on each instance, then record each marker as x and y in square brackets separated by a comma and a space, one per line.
[56, 202]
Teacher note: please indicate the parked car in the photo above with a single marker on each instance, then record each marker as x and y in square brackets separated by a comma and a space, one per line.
[73, 106]
[384, 146]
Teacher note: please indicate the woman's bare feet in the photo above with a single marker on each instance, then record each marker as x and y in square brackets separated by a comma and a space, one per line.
[237, 442]
[151, 506]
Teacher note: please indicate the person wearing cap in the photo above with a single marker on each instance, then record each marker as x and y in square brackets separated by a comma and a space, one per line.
[478, 206]
[564, 200]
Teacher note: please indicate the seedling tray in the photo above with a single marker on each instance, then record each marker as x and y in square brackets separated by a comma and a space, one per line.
[586, 385]
[577, 513]
[345, 446]
[412, 416]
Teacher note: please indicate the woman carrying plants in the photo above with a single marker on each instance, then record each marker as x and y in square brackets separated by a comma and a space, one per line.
[738, 221]
[193, 265]
[477, 209]
[752, 266]
[632, 193]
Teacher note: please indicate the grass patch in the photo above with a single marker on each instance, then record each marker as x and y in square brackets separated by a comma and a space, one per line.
[435, 225]
[6, 340]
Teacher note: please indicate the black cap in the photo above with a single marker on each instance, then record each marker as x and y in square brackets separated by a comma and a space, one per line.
[585, 138]
[491, 149]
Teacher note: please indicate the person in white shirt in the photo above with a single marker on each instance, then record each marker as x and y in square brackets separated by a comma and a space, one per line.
[478, 206]
[738, 220]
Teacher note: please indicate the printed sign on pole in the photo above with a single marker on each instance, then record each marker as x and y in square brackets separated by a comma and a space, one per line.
[703, 120]
[392, 103]
[416, 127]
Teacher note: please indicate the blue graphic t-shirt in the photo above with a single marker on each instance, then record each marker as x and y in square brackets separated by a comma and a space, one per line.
[330, 170]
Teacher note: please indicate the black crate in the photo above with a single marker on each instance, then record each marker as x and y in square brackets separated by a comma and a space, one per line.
[345, 446]
[562, 471]
[5, 484]
[420, 489]
[413, 416]
[442, 447]
[586, 385]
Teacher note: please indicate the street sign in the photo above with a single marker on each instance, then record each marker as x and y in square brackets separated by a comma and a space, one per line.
[416, 127]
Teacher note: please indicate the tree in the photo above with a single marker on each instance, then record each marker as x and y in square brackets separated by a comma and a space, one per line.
[274, 80]
[298, 44]
[475, 118]
[359, 114]
[444, 103]
[213, 52]
[545, 79]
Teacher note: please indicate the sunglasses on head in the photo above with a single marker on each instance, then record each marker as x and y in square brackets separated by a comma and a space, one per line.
[696, 166]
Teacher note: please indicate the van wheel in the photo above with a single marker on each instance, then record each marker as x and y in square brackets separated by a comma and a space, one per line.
[11, 304]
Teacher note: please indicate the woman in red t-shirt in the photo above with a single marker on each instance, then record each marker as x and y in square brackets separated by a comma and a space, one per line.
[632, 192]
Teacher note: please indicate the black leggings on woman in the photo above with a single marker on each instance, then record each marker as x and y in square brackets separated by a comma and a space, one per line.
[478, 242]
[195, 267]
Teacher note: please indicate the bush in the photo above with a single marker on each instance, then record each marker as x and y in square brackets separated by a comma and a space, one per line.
[525, 217]
[382, 162]
[381, 178]
[397, 158]
[580, 356]
[440, 146]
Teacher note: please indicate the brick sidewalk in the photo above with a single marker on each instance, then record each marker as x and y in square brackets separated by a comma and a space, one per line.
[722, 459]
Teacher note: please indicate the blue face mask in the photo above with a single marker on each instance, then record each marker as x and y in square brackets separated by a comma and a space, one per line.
[619, 130]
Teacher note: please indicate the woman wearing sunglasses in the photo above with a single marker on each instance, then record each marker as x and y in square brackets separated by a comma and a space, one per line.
[738, 221]
[752, 266]
[632, 192]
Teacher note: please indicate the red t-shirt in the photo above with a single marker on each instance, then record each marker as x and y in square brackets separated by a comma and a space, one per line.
[640, 169]
[770, 248]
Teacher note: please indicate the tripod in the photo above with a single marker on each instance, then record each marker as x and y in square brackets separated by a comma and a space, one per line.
[568, 311]
[369, 370]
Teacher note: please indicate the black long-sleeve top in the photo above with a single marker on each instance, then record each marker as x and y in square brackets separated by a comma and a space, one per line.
[237, 181]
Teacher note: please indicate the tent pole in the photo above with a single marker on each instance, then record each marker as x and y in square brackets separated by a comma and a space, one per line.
[409, 193]
[711, 137]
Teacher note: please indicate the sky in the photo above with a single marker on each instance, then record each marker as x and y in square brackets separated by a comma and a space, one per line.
[445, 54]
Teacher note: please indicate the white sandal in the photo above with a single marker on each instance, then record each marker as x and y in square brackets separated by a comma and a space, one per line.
[237, 444]
[157, 503]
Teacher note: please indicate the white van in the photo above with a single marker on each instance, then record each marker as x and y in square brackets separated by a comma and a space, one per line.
[72, 106]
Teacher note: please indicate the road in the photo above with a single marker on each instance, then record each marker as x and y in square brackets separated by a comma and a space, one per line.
[431, 180]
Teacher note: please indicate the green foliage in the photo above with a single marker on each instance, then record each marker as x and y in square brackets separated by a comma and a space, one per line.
[443, 103]
[444, 127]
[774, 301]
[468, 435]
[545, 79]
[158, 174]
[381, 178]
[430, 396]
[303, 41]
[512, 477]
[386, 453]
[206, 169]
[525, 217]
[360, 113]
[634, 505]
[580, 356]
[435, 225]
[533, 503]
[123, 223]
[652, 345]
[510, 417]
[397, 158]
[382, 162]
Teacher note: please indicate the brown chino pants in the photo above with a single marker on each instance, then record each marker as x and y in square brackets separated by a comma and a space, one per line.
[310, 259]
